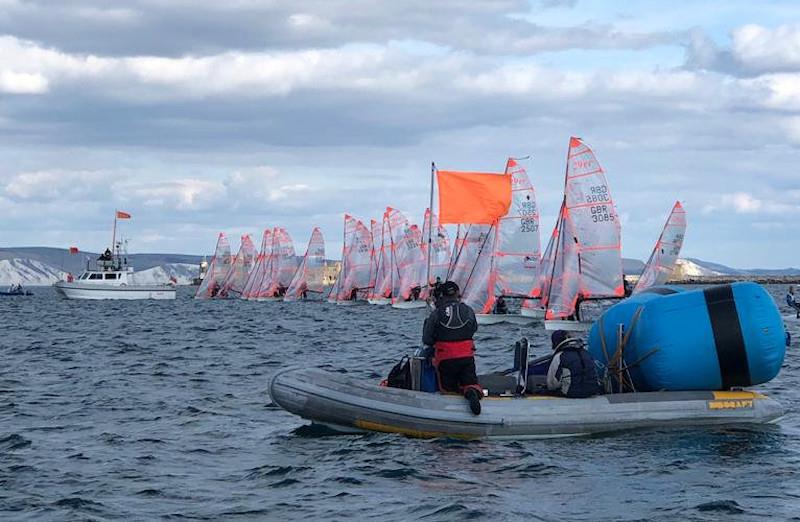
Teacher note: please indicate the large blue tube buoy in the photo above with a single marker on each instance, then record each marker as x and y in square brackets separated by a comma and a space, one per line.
[714, 338]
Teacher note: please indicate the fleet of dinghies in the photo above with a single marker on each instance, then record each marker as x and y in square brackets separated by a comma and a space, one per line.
[495, 255]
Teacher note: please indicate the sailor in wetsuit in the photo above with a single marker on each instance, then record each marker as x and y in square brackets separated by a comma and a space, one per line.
[792, 301]
[449, 329]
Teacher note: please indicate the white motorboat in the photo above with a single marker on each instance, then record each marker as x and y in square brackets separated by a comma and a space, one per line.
[112, 282]
[112, 278]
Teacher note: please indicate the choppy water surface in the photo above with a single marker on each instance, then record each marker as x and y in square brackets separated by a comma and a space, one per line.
[147, 410]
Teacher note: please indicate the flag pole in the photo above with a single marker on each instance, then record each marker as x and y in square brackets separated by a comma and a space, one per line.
[430, 231]
[114, 233]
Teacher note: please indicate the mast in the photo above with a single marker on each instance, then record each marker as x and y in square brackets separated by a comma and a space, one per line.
[114, 233]
[430, 229]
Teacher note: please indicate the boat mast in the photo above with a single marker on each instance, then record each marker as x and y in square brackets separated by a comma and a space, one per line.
[114, 232]
[430, 229]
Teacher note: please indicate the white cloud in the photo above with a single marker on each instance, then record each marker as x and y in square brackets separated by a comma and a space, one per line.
[22, 83]
[180, 194]
[58, 185]
[746, 203]
[761, 49]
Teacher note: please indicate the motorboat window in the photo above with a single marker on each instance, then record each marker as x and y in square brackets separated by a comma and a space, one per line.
[96, 276]
[111, 276]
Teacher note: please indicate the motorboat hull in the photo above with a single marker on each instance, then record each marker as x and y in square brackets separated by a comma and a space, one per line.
[100, 292]
[349, 404]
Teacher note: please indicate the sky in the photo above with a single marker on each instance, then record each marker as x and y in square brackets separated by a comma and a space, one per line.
[200, 116]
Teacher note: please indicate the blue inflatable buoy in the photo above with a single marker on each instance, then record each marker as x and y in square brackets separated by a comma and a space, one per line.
[714, 338]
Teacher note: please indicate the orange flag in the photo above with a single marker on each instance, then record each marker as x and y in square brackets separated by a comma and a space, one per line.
[473, 197]
[123, 215]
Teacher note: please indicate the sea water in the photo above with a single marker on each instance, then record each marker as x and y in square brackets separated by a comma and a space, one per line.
[159, 410]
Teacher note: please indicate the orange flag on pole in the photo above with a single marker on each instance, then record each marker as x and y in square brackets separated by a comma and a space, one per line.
[473, 197]
[123, 215]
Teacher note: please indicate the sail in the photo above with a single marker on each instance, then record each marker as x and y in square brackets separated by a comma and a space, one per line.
[309, 276]
[382, 287]
[596, 224]
[235, 281]
[281, 264]
[375, 232]
[397, 224]
[347, 235]
[258, 272]
[477, 289]
[537, 297]
[473, 242]
[587, 262]
[518, 249]
[439, 252]
[356, 264]
[662, 261]
[217, 270]
[564, 279]
[411, 263]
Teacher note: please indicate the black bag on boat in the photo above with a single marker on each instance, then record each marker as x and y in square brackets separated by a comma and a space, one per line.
[400, 375]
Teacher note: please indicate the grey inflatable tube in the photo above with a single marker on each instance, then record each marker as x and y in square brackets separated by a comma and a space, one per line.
[352, 405]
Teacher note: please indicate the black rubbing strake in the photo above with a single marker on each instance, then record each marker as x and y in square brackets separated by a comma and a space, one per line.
[728, 339]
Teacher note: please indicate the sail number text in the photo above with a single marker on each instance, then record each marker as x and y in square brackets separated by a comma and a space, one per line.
[600, 213]
[598, 194]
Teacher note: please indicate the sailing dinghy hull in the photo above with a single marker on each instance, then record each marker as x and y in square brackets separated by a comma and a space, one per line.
[379, 301]
[570, 326]
[408, 305]
[487, 319]
[347, 404]
[537, 313]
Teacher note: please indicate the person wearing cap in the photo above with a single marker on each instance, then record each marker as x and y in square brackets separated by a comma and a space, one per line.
[449, 329]
[572, 370]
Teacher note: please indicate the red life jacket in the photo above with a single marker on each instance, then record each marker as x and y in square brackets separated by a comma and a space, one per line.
[453, 350]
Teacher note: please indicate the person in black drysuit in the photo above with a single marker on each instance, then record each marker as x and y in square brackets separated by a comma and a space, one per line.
[792, 301]
[449, 329]
[572, 370]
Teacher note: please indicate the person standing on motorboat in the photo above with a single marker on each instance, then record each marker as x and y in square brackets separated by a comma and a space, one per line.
[449, 329]
[572, 371]
[792, 301]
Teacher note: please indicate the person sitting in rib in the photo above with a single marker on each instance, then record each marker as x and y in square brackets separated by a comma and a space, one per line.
[449, 329]
[572, 371]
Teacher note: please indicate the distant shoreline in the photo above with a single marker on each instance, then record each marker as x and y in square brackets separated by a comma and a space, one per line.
[721, 279]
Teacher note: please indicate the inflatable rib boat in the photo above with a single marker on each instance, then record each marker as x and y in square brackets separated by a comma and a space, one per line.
[351, 405]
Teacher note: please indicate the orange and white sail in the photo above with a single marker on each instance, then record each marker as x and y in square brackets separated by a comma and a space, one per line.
[587, 262]
[242, 265]
[280, 267]
[665, 254]
[260, 269]
[375, 232]
[382, 286]
[474, 240]
[439, 251]
[349, 229]
[508, 267]
[356, 263]
[217, 270]
[309, 276]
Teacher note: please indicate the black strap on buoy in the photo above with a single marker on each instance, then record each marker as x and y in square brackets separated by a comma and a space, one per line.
[731, 353]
